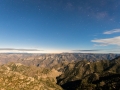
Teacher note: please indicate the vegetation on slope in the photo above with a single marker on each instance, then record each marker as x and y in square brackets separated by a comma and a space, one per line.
[19, 77]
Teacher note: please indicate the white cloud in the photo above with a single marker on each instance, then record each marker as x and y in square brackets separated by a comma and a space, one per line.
[107, 41]
[112, 31]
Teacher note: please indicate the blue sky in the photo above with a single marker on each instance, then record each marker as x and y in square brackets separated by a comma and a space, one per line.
[55, 26]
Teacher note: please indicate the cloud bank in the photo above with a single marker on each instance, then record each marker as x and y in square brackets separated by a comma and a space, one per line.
[14, 49]
[112, 31]
[87, 50]
[108, 41]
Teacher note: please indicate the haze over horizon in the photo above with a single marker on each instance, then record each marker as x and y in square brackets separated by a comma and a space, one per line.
[52, 26]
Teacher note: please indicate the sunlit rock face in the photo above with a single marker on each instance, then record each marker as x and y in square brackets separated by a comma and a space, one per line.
[15, 76]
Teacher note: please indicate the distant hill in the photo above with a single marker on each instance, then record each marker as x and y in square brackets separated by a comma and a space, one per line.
[49, 60]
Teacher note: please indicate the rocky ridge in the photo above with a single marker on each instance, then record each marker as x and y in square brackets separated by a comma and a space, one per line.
[85, 75]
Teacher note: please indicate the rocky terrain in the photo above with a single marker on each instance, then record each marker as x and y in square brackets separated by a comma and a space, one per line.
[15, 76]
[85, 75]
[59, 71]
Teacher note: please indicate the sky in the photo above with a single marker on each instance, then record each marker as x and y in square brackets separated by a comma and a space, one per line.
[60, 26]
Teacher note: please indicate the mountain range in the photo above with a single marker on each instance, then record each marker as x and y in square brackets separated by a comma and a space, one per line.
[65, 71]
[49, 60]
